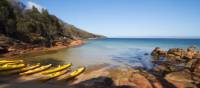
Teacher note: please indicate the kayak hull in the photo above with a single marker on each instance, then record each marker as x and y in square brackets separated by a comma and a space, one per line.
[53, 75]
[42, 68]
[12, 72]
[11, 66]
[74, 73]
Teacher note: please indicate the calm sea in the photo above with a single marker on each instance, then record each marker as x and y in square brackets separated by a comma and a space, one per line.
[116, 51]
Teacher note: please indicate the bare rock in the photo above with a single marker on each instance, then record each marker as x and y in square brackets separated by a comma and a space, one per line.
[163, 53]
[176, 51]
[181, 79]
[181, 76]
[177, 84]
[140, 81]
[189, 55]
[155, 82]
[172, 57]
[190, 64]
[196, 68]
[196, 56]
[155, 51]
[192, 49]
[172, 50]
[161, 69]
[158, 52]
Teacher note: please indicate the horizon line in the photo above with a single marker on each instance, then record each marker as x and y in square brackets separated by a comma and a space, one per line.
[175, 37]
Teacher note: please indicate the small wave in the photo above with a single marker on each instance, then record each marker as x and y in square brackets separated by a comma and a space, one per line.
[134, 57]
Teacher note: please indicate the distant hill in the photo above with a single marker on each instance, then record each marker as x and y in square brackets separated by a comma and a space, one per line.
[32, 26]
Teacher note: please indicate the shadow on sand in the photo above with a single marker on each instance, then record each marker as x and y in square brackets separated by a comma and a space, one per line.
[99, 82]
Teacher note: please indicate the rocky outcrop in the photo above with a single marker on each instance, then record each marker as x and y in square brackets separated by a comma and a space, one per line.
[176, 51]
[181, 79]
[158, 52]
[177, 54]
[191, 53]
[181, 76]
[196, 68]
[196, 55]
[140, 81]
[180, 67]
[161, 69]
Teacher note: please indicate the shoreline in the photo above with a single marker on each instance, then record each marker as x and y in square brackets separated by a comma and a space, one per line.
[166, 73]
[16, 53]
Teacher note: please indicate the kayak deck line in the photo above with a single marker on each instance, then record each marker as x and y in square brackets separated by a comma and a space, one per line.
[59, 68]
[17, 71]
[36, 70]
[9, 66]
[73, 73]
[53, 75]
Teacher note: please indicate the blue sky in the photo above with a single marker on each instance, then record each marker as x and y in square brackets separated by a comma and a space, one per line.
[129, 18]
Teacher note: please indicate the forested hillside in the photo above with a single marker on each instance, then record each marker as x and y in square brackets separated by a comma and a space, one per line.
[32, 26]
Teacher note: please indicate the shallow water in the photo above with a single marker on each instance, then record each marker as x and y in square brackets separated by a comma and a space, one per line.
[116, 51]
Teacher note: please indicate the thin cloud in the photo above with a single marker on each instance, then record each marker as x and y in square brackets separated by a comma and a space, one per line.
[30, 4]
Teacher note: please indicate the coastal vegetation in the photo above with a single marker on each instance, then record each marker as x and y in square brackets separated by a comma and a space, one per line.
[21, 27]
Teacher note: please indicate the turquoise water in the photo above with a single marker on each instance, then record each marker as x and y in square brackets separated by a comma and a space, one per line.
[116, 51]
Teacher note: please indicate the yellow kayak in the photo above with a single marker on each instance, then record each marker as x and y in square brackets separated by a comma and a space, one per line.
[30, 67]
[59, 68]
[75, 73]
[2, 62]
[10, 61]
[53, 75]
[11, 66]
[36, 70]
[11, 72]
